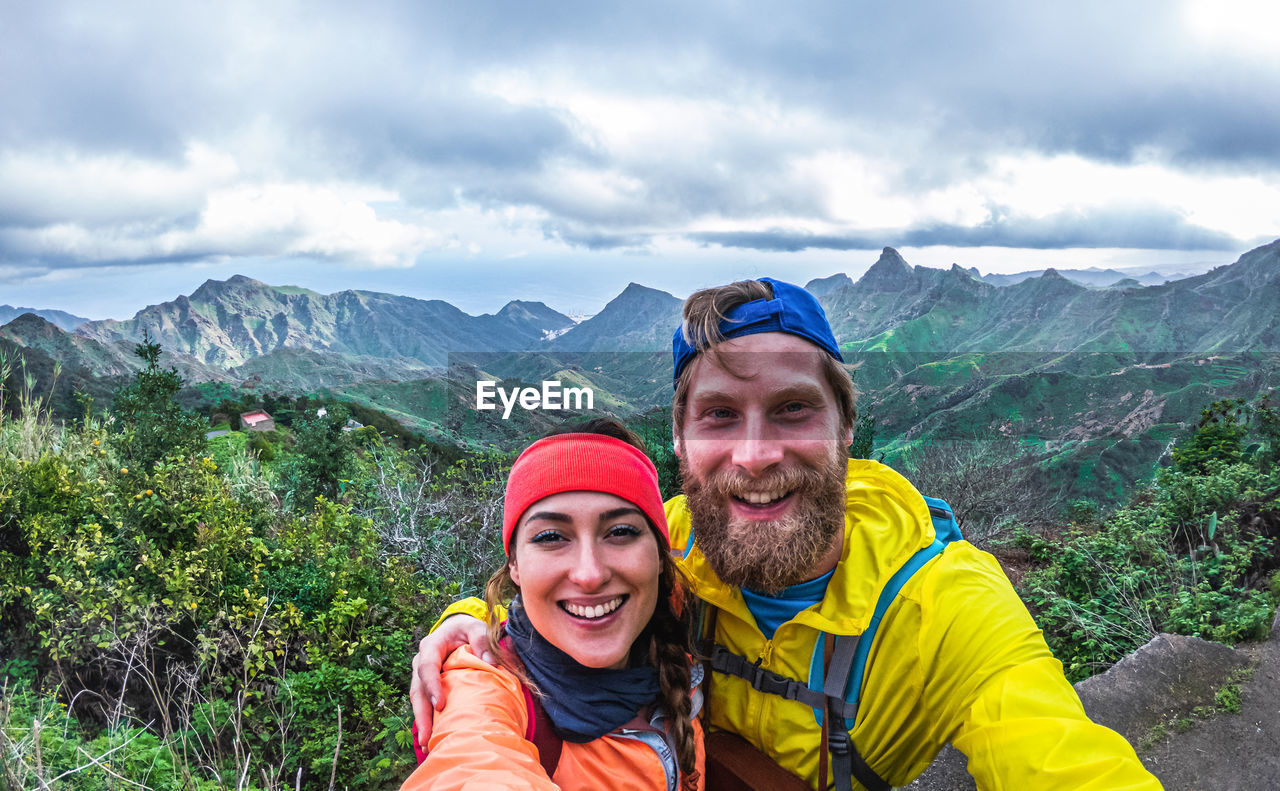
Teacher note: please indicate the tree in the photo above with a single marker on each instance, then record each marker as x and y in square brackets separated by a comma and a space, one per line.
[1218, 437]
[323, 456]
[864, 437]
[152, 424]
[991, 484]
[654, 429]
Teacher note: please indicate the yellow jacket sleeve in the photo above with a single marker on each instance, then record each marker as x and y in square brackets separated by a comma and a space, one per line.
[1002, 694]
[478, 739]
[472, 606]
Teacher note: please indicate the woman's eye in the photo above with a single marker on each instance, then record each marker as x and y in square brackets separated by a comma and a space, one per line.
[624, 531]
[547, 537]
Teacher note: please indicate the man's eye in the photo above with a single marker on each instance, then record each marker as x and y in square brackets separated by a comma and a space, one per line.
[720, 413]
[794, 406]
[547, 537]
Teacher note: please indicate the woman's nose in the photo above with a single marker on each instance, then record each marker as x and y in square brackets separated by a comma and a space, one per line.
[590, 571]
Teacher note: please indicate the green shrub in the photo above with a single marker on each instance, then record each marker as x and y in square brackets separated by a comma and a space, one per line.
[151, 423]
[322, 460]
[209, 629]
[1179, 558]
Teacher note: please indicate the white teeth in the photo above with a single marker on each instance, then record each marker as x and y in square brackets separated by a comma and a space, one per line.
[597, 611]
[762, 498]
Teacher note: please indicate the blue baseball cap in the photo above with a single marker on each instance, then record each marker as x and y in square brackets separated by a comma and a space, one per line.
[792, 310]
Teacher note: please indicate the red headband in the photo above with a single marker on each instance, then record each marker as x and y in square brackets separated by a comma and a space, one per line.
[582, 463]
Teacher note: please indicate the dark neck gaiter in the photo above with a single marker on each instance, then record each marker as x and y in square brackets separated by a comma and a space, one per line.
[584, 703]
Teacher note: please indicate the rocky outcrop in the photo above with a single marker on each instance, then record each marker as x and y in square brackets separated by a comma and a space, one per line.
[1164, 698]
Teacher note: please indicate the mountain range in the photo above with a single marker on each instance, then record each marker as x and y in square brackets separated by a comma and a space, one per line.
[226, 323]
[1097, 278]
[62, 319]
[1097, 379]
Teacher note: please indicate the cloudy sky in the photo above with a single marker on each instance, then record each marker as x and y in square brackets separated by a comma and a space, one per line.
[478, 152]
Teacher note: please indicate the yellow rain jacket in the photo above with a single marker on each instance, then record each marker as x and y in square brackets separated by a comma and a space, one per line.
[956, 659]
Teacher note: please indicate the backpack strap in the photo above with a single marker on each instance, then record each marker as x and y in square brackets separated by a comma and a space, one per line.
[706, 617]
[846, 762]
[725, 661]
[539, 731]
[946, 528]
[887, 595]
[541, 734]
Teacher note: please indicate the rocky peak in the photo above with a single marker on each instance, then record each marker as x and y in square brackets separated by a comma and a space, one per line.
[636, 295]
[821, 286]
[211, 290]
[533, 317]
[890, 272]
[30, 325]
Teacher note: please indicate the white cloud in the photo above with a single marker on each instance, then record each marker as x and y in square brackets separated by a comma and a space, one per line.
[865, 193]
[49, 185]
[1243, 27]
[1245, 207]
[335, 222]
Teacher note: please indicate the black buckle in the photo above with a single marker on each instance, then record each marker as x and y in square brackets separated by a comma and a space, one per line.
[772, 683]
[837, 738]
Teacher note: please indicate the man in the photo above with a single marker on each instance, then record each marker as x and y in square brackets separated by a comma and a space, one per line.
[791, 545]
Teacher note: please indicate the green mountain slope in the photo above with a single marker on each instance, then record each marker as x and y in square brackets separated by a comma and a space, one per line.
[1097, 380]
[110, 359]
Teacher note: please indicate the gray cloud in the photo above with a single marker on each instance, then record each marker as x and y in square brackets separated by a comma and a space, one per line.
[386, 96]
[780, 241]
[1153, 230]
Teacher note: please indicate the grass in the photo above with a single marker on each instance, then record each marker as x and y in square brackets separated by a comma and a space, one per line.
[1227, 699]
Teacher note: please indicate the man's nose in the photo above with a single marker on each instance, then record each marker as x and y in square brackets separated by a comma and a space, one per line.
[757, 450]
[589, 572]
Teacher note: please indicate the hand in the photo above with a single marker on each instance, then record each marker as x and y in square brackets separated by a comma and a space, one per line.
[426, 694]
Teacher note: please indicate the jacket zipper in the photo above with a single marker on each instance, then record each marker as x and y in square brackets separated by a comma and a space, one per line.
[766, 653]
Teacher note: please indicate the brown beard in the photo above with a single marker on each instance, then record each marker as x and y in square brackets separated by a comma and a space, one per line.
[768, 556]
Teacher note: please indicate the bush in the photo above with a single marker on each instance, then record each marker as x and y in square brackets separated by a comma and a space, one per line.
[1190, 555]
[151, 423]
[205, 637]
[443, 517]
[322, 460]
[991, 484]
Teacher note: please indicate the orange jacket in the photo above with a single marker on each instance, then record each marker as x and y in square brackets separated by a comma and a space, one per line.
[477, 742]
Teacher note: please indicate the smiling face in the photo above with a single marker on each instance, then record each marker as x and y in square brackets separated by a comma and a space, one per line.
[587, 566]
[762, 452]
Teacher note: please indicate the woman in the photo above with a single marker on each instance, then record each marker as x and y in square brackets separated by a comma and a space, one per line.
[593, 687]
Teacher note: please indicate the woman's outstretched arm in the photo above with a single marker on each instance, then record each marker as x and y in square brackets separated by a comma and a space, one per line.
[478, 739]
